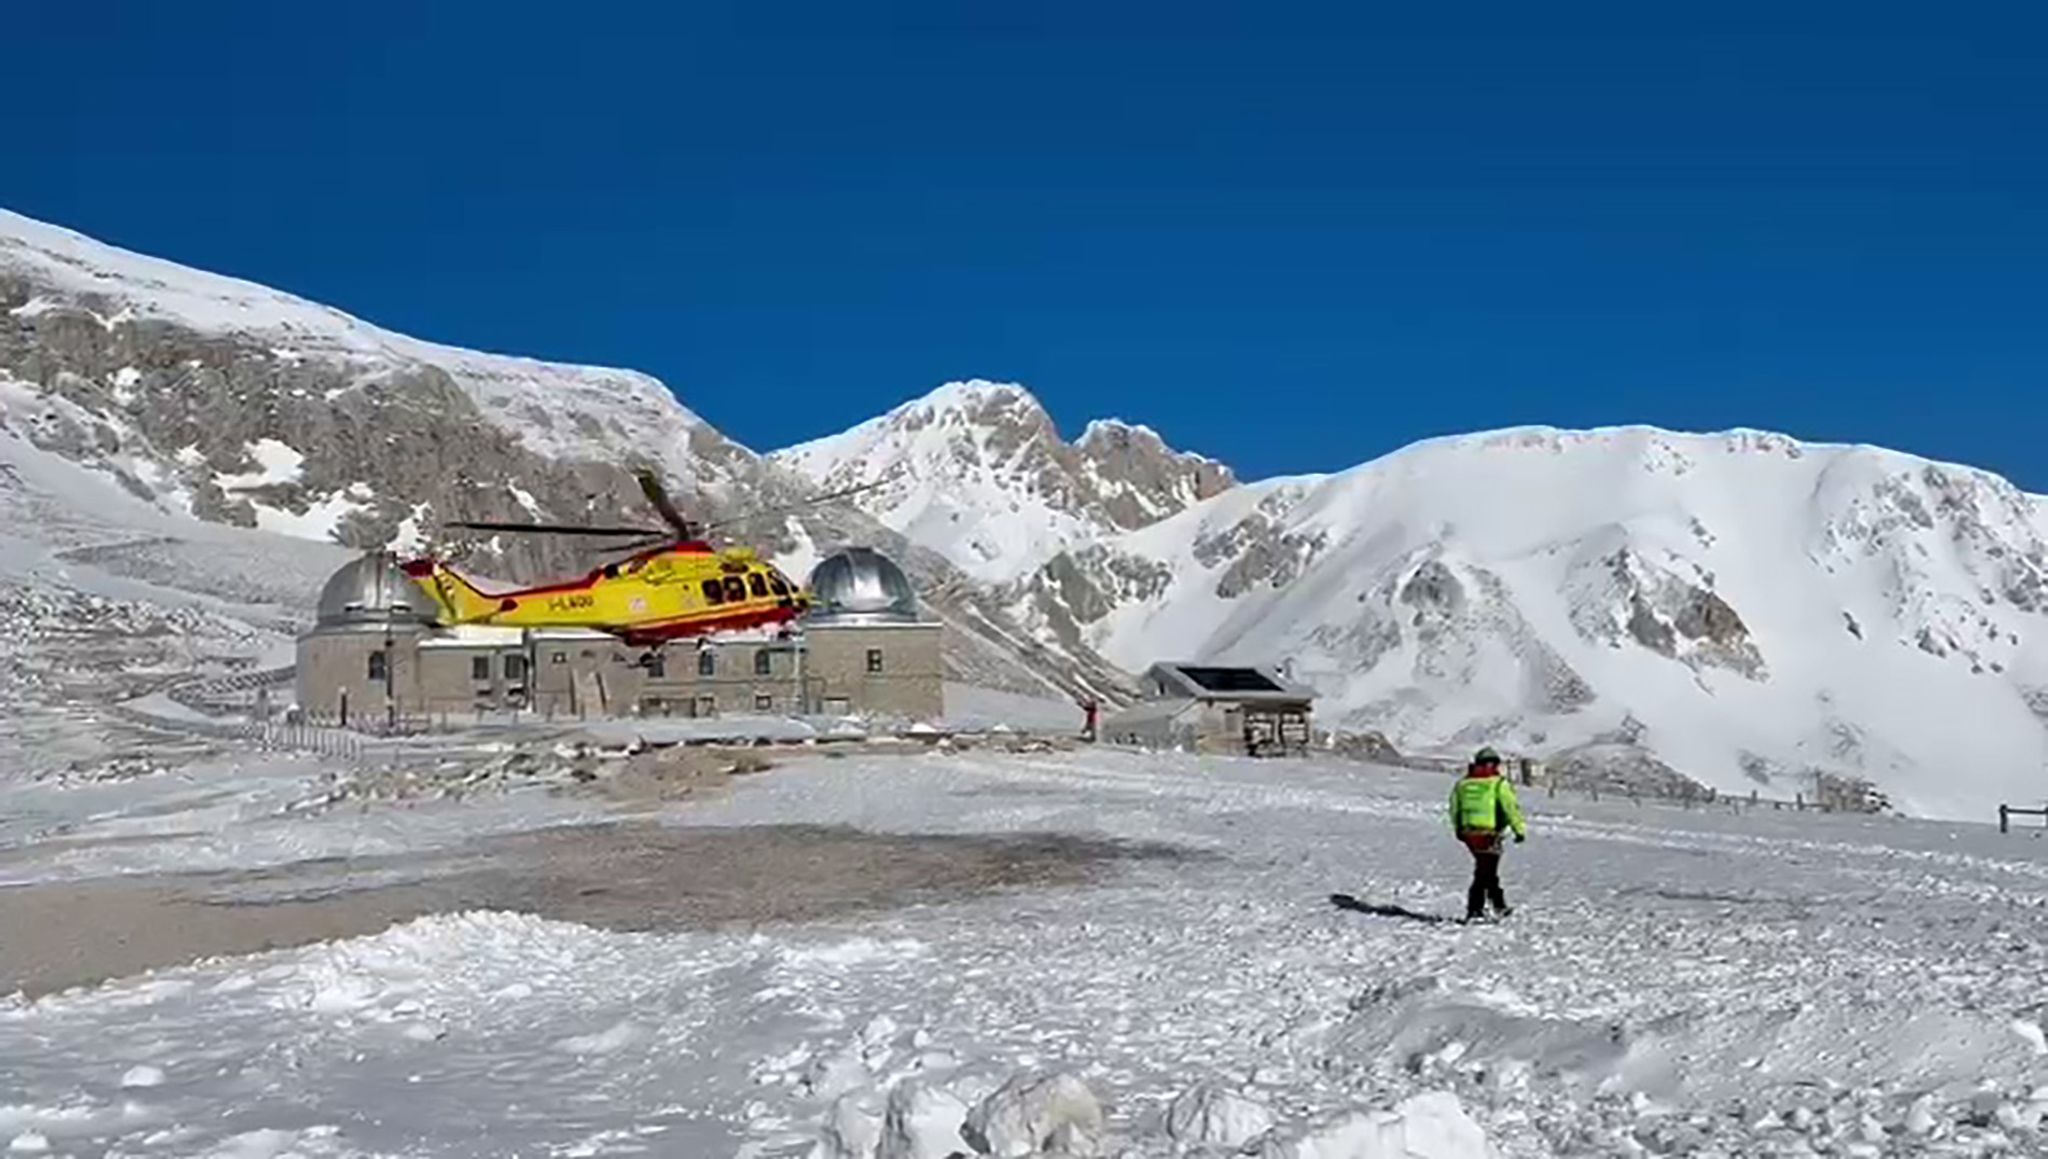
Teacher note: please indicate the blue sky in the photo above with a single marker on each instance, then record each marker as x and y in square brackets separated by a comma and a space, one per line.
[1293, 237]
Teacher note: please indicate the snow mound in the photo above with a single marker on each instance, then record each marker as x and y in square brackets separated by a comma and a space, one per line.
[1428, 1126]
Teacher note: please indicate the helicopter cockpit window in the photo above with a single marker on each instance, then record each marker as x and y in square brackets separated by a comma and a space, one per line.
[757, 584]
[735, 588]
[713, 592]
[777, 584]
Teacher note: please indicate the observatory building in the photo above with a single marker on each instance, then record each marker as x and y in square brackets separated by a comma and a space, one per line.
[377, 657]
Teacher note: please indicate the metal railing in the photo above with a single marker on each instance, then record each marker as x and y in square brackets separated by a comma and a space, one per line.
[2007, 812]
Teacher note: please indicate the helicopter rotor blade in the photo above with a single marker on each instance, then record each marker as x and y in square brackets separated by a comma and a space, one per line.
[657, 496]
[556, 529]
[813, 501]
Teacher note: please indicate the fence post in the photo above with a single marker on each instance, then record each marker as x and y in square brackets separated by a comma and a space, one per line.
[2004, 819]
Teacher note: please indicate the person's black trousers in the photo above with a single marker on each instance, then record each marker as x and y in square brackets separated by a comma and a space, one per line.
[1485, 884]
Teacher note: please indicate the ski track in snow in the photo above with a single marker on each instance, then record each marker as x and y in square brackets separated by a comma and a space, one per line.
[1674, 982]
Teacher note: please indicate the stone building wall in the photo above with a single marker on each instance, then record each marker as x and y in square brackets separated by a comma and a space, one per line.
[339, 683]
[592, 677]
[886, 669]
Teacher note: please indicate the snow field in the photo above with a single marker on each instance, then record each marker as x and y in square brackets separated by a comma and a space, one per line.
[1673, 983]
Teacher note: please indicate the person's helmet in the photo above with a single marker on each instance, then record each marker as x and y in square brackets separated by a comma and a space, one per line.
[1485, 756]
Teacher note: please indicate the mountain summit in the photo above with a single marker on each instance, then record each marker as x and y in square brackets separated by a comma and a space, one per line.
[978, 472]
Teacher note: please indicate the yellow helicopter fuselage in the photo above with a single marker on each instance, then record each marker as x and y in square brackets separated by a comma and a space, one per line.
[667, 593]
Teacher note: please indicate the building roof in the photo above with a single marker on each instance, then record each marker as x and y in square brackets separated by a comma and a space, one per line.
[1169, 680]
[475, 636]
[860, 585]
[371, 592]
[545, 635]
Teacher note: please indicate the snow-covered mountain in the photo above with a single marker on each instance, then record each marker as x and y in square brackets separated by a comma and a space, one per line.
[1739, 610]
[209, 396]
[1743, 608]
[977, 472]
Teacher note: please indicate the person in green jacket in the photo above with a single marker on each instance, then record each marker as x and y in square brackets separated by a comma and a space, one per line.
[1483, 810]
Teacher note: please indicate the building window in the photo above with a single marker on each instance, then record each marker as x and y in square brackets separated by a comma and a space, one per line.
[764, 662]
[515, 667]
[874, 660]
[560, 657]
[713, 592]
[707, 706]
[380, 668]
[763, 702]
[479, 667]
[707, 663]
[657, 666]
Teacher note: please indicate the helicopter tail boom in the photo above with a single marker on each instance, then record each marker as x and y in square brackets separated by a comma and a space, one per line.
[459, 599]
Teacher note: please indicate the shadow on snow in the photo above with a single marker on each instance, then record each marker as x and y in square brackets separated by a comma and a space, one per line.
[1345, 901]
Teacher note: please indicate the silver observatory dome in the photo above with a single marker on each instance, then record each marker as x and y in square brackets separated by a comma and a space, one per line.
[860, 585]
[373, 592]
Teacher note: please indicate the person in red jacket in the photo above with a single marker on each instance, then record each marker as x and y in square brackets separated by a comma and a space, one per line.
[1483, 810]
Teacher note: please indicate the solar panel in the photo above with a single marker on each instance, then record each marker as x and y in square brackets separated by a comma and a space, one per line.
[1230, 680]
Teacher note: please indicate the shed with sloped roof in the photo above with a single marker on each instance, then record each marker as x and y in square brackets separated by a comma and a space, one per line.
[1253, 710]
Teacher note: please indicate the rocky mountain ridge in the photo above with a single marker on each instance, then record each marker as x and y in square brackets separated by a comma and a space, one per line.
[242, 405]
[943, 463]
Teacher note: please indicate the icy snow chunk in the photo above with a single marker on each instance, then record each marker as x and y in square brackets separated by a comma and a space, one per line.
[921, 1122]
[142, 1076]
[830, 1076]
[28, 1143]
[344, 994]
[853, 1128]
[1211, 1114]
[1031, 1113]
[618, 1037]
[1428, 1126]
[267, 1144]
[878, 1031]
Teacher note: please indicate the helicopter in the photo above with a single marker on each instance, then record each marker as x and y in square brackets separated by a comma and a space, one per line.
[674, 585]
